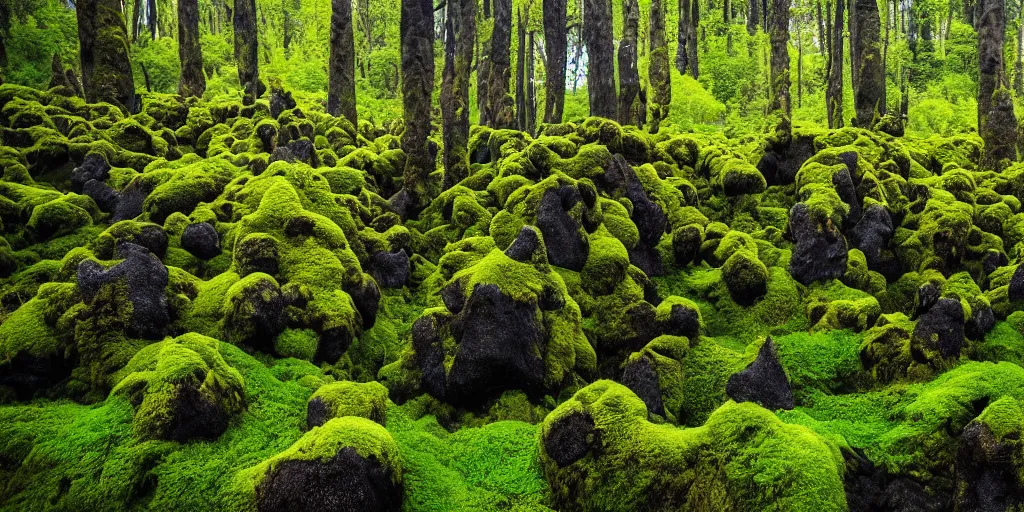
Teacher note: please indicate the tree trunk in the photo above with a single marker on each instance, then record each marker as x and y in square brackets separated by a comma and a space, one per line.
[753, 16]
[247, 51]
[997, 122]
[496, 109]
[417, 37]
[799, 67]
[821, 28]
[631, 109]
[1018, 65]
[658, 72]
[192, 81]
[103, 50]
[555, 44]
[137, 18]
[521, 73]
[152, 19]
[834, 91]
[597, 35]
[867, 68]
[686, 49]
[531, 88]
[461, 36]
[341, 89]
[780, 104]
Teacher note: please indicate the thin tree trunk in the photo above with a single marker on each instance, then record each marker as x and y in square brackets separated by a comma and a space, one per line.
[630, 109]
[417, 39]
[152, 19]
[597, 35]
[521, 73]
[341, 92]
[659, 73]
[686, 49]
[821, 28]
[780, 108]
[497, 109]
[461, 36]
[192, 81]
[555, 44]
[531, 88]
[834, 92]
[753, 16]
[247, 50]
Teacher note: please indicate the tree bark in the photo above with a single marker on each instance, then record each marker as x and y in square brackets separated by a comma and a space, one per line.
[780, 104]
[417, 37]
[531, 88]
[103, 50]
[152, 19]
[867, 68]
[247, 51]
[997, 122]
[555, 44]
[461, 36]
[192, 81]
[686, 50]
[821, 28]
[496, 106]
[341, 92]
[834, 91]
[631, 108]
[597, 35]
[753, 16]
[659, 73]
[521, 73]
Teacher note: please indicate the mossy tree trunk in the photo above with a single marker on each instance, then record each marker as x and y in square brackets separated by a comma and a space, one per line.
[341, 92]
[686, 37]
[867, 67]
[597, 35]
[192, 81]
[632, 108]
[103, 49]
[496, 105]
[779, 107]
[247, 50]
[460, 37]
[834, 90]
[531, 87]
[521, 72]
[417, 34]
[659, 70]
[997, 122]
[753, 16]
[556, 44]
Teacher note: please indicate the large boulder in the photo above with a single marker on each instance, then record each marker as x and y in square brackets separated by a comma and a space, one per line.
[764, 381]
[141, 277]
[820, 248]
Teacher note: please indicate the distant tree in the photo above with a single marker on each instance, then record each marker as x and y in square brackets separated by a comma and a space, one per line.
[997, 121]
[192, 81]
[779, 107]
[834, 89]
[496, 105]
[460, 35]
[597, 35]
[556, 45]
[632, 107]
[866, 64]
[686, 38]
[247, 51]
[341, 88]
[659, 70]
[417, 34]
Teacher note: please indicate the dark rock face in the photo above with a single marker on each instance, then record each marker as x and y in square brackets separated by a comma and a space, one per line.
[871, 234]
[280, 100]
[317, 413]
[641, 378]
[193, 416]
[986, 476]
[682, 321]
[27, 374]
[843, 184]
[129, 205]
[526, 244]
[869, 488]
[94, 167]
[820, 251]
[346, 482]
[571, 438]
[651, 221]
[366, 296]
[982, 321]
[390, 269]
[686, 243]
[145, 279]
[764, 381]
[201, 239]
[106, 197]
[1016, 289]
[945, 323]
[567, 246]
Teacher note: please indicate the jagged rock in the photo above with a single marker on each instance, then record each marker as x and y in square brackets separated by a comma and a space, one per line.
[986, 472]
[255, 312]
[567, 247]
[870, 488]
[280, 100]
[641, 378]
[131, 199]
[525, 246]
[390, 269]
[820, 251]
[764, 381]
[201, 239]
[1016, 289]
[940, 329]
[570, 438]
[106, 197]
[144, 278]
[871, 234]
[94, 167]
[843, 184]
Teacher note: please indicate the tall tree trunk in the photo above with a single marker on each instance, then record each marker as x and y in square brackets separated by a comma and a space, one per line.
[192, 81]
[834, 91]
[531, 88]
[631, 110]
[780, 108]
[153, 29]
[686, 48]
[247, 51]
[341, 89]
[487, 9]
[997, 122]
[1018, 65]
[658, 71]
[597, 35]
[455, 89]
[137, 18]
[821, 28]
[521, 73]
[867, 68]
[555, 44]
[496, 109]
[753, 16]
[799, 67]
[417, 35]
[103, 49]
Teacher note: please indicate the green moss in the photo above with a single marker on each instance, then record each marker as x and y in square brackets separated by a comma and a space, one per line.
[715, 466]
[297, 343]
[58, 217]
[368, 400]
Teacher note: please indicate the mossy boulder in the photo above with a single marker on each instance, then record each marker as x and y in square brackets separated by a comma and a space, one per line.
[339, 399]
